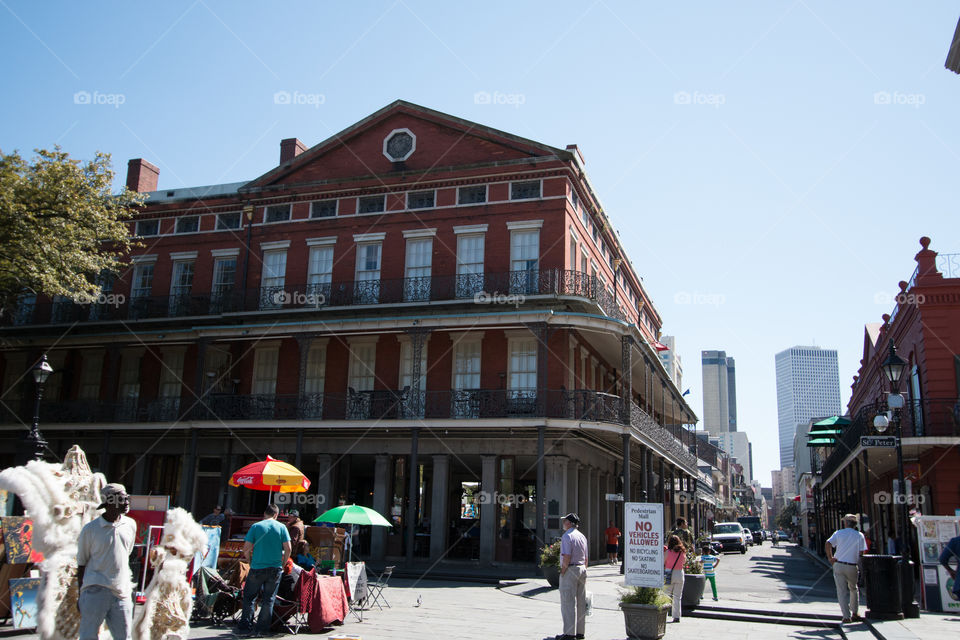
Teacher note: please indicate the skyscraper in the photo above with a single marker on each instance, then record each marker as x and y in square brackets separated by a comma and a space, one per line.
[719, 392]
[671, 360]
[808, 386]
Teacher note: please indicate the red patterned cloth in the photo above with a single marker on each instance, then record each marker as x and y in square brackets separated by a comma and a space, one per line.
[323, 599]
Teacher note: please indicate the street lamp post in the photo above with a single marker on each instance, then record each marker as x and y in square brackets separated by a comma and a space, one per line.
[34, 444]
[893, 368]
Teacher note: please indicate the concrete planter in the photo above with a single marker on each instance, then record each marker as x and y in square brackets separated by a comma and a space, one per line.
[645, 621]
[693, 584]
[552, 574]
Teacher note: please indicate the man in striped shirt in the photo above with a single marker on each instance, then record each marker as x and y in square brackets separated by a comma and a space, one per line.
[710, 563]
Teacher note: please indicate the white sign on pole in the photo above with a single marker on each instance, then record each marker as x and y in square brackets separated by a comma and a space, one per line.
[643, 544]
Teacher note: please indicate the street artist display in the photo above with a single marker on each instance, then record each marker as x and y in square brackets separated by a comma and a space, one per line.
[169, 602]
[60, 499]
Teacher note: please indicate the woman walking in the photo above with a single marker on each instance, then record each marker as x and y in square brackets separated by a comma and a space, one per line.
[673, 558]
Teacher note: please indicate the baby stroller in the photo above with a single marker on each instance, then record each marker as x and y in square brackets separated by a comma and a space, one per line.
[216, 600]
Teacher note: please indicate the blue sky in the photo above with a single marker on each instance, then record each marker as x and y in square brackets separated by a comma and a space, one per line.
[774, 163]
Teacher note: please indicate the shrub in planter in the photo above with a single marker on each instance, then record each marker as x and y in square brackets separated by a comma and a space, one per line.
[645, 612]
[550, 564]
[693, 582]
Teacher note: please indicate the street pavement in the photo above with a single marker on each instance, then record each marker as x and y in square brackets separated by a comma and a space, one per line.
[780, 578]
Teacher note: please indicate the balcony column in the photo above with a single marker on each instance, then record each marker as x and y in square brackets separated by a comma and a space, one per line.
[324, 484]
[626, 369]
[555, 495]
[627, 493]
[413, 485]
[188, 474]
[660, 488]
[646, 461]
[573, 488]
[583, 497]
[867, 498]
[198, 389]
[303, 342]
[595, 515]
[488, 512]
[418, 337]
[439, 518]
[541, 489]
[542, 332]
[381, 477]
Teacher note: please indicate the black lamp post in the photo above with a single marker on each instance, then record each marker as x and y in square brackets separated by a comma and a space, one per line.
[34, 444]
[893, 368]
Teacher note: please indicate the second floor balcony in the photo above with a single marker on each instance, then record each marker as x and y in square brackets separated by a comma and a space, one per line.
[512, 288]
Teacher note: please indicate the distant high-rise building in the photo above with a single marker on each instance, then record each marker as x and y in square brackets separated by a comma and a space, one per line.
[719, 392]
[808, 386]
[671, 360]
[738, 446]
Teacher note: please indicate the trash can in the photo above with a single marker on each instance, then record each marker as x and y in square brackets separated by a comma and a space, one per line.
[882, 579]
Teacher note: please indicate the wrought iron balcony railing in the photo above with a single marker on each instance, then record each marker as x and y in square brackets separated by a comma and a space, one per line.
[509, 288]
[923, 418]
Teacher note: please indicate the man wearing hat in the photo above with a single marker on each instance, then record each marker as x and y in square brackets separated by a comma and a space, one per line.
[103, 558]
[844, 549]
[573, 579]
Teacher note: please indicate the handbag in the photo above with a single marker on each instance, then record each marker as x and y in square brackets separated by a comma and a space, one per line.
[668, 573]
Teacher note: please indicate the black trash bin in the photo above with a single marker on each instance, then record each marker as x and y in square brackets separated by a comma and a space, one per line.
[882, 580]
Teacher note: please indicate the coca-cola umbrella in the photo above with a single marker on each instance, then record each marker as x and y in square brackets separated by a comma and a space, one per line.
[270, 475]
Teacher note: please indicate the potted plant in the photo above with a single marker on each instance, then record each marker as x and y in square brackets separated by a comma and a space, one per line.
[645, 612]
[693, 582]
[550, 563]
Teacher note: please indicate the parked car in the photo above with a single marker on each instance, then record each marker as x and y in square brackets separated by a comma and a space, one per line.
[782, 535]
[731, 536]
[747, 537]
[752, 524]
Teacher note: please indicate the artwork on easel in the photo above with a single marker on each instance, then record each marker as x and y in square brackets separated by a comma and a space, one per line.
[18, 540]
[23, 602]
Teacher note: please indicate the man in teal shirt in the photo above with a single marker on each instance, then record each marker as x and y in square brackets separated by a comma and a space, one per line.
[269, 545]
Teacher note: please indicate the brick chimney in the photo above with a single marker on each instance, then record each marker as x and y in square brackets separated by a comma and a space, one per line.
[290, 149]
[142, 176]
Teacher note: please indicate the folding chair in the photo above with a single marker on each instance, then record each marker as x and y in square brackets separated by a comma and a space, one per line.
[288, 613]
[375, 594]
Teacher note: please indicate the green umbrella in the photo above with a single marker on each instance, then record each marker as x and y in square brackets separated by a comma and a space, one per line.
[835, 421]
[353, 514]
[821, 442]
[824, 432]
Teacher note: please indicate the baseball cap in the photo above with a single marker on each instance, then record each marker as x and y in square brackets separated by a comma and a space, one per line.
[110, 493]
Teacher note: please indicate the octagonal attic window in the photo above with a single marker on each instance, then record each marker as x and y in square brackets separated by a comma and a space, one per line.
[399, 145]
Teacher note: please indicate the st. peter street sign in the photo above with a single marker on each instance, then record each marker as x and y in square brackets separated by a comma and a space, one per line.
[878, 441]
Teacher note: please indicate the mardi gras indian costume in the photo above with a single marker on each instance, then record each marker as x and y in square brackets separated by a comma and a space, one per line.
[166, 611]
[60, 499]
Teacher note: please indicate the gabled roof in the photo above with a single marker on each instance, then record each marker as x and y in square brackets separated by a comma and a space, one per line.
[524, 145]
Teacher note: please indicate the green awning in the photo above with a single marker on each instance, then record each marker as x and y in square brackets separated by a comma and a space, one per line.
[824, 432]
[835, 421]
[822, 442]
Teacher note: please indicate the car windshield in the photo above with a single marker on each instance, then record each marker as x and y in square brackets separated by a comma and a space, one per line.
[727, 528]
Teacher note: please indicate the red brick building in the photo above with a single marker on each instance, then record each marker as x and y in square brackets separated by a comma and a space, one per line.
[416, 292]
[925, 327]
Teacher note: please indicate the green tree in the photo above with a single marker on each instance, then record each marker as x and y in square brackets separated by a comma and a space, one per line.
[785, 517]
[60, 226]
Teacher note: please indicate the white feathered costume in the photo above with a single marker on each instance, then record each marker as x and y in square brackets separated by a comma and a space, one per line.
[60, 499]
[166, 612]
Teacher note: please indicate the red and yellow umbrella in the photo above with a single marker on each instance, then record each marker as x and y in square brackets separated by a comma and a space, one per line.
[270, 475]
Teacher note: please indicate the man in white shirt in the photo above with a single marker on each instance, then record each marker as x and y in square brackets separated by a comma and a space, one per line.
[103, 557]
[844, 549]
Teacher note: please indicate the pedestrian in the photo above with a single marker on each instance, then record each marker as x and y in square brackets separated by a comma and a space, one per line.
[613, 542]
[673, 558]
[103, 559]
[710, 563]
[573, 579]
[685, 535]
[214, 519]
[951, 551]
[266, 547]
[296, 528]
[844, 549]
